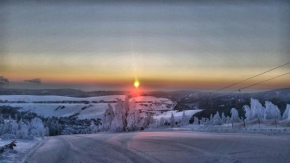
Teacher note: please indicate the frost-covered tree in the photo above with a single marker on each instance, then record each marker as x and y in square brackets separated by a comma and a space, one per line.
[271, 111]
[224, 118]
[148, 119]
[14, 127]
[257, 109]
[286, 112]
[4, 128]
[126, 105]
[93, 127]
[201, 122]
[162, 121]
[235, 115]
[154, 124]
[108, 117]
[143, 122]
[249, 113]
[22, 130]
[217, 119]
[119, 121]
[133, 118]
[184, 119]
[47, 131]
[228, 119]
[36, 127]
[172, 121]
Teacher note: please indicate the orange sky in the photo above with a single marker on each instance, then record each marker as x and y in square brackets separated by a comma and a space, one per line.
[167, 46]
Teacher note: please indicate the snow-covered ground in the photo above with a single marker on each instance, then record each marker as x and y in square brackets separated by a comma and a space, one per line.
[21, 151]
[91, 107]
[167, 147]
[177, 115]
[49, 110]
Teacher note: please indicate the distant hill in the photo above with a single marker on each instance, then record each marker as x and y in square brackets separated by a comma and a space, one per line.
[222, 102]
[58, 92]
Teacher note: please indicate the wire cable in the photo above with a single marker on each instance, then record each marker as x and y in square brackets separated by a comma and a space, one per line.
[251, 77]
[247, 86]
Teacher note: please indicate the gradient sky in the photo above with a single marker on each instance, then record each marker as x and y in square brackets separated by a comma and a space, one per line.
[167, 46]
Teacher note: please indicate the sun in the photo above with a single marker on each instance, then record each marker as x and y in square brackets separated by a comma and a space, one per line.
[136, 84]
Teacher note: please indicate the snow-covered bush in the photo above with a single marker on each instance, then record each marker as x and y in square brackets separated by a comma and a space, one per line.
[249, 113]
[22, 130]
[93, 127]
[257, 109]
[36, 127]
[271, 111]
[13, 127]
[224, 118]
[172, 122]
[235, 116]
[228, 119]
[108, 117]
[184, 119]
[217, 119]
[162, 122]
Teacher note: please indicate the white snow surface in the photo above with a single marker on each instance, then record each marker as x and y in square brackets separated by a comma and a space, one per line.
[167, 147]
[93, 108]
[177, 115]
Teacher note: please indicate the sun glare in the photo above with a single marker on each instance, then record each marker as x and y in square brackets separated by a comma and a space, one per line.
[136, 84]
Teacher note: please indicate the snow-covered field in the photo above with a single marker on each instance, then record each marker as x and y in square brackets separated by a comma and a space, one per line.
[177, 115]
[91, 107]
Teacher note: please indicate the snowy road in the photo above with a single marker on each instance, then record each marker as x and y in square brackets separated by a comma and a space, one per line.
[164, 147]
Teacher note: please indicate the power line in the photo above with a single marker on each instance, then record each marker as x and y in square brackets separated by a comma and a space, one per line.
[251, 77]
[264, 81]
[249, 86]
[248, 79]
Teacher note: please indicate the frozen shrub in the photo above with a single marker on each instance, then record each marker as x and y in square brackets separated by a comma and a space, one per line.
[172, 122]
[234, 116]
[217, 119]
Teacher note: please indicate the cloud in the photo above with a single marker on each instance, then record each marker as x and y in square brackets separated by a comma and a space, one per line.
[36, 81]
[4, 80]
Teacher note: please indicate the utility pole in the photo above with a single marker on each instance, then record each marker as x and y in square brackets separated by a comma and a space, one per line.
[210, 101]
[238, 98]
